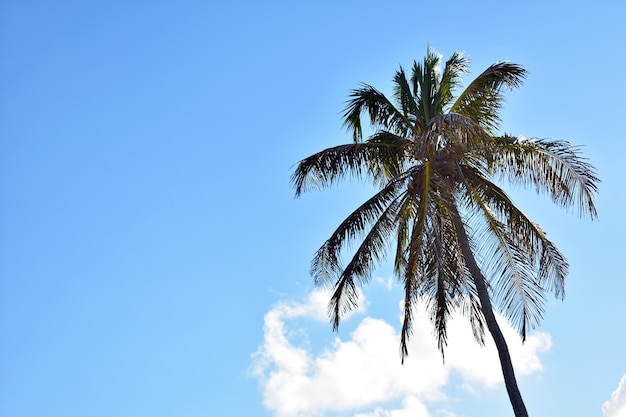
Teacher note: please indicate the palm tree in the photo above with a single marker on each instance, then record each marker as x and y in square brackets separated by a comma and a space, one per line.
[461, 244]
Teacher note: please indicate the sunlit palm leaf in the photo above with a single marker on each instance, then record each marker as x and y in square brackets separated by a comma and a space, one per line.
[553, 167]
[521, 259]
[482, 99]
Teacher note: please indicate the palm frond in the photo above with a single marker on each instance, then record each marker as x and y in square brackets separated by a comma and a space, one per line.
[450, 79]
[553, 167]
[375, 158]
[419, 189]
[406, 214]
[522, 261]
[390, 157]
[425, 81]
[404, 96]
[482, 100]
[552, 266]
[516, 289]
[452, 274]
[470, 307]
[371, 251]
[382, 113]
[326, 265]
[445, 284]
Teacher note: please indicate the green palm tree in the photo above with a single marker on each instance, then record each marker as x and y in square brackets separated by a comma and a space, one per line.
[461, 244]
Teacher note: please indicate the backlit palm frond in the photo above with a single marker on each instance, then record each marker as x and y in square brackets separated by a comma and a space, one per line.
[516, 288]
[382, 113]
[470, 307]
[406, 214]
[553, 167]
[450, 266]
[482, 100]
[454, 68]
[435, 270]
[551, 265]
[371, 250]
[326, 266]
[389, 156]
[414, 268]
[521, 260]
[414, 272]
[453, 265]
[425, 81]
[325, 168]
[465, 295]
[404, 96]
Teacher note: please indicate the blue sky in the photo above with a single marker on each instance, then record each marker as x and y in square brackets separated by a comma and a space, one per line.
[154, 260]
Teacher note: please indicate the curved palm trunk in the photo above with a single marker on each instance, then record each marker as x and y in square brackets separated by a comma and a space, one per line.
[487, 309]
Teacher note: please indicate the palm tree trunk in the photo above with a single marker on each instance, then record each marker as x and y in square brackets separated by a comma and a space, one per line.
[487, 309]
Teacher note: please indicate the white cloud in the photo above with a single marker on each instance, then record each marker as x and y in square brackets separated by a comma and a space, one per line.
[411, 407]
[616, 406]
[388, 282]
[363, 374]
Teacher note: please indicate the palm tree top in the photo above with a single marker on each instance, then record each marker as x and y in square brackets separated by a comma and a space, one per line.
[434, 153]
[429, 92]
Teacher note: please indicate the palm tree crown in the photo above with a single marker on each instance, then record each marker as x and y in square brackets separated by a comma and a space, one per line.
[460, 242]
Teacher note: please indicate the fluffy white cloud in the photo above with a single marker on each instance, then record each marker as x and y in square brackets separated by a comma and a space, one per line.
[616, 406]
[363, 374]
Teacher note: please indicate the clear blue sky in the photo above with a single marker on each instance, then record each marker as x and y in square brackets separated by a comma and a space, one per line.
[153, 260]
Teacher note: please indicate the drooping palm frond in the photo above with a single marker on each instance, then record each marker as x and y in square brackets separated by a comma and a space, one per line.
[516, 287]
[326, 265]
[521, 260]
[551, 267]
[482, 100]
[371, 250]
[392, 159]
[553, 167]
[434, 270]
[447, 289]
[406, 214]
[470, 307]
[377, 158]
[418, 191]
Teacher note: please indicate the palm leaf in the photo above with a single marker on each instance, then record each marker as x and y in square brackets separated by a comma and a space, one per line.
[371, 250]
[450, 79]
[522, 261]
[325, 168]
[554, 167]
[326, 266]
[382, 113]
[419, 190]
[482, 100]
